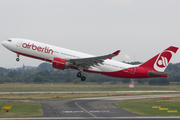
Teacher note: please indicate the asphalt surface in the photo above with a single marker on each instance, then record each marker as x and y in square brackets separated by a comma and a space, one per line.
[91, 118]
[167, 91]
[83, 108]
[94, 108]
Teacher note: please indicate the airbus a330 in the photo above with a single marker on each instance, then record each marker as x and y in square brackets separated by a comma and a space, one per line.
[62, 58]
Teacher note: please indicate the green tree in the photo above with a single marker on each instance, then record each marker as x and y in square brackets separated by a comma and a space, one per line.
[12, 74]
[158, 81]
[38, 79]
[141, 81]
[126, 80]
[68, 80]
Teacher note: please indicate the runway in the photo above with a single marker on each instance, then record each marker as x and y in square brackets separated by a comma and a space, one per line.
[149, 91]
[94, 108]
[83, 108]
[99, 118]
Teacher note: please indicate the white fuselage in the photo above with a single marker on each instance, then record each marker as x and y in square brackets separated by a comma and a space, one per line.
[48, 52]
[62, 58]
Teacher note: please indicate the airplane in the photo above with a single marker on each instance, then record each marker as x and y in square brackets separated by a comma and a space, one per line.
[62, 58]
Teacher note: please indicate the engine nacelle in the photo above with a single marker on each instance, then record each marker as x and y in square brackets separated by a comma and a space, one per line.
[60, 63]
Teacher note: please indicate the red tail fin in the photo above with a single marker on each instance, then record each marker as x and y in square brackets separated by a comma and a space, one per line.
[161, 61]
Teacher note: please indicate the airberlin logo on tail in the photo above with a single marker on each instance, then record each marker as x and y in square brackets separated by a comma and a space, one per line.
[38, 48]
[162, 60]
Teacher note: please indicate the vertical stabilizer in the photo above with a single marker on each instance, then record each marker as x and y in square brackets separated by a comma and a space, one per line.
[161, 61]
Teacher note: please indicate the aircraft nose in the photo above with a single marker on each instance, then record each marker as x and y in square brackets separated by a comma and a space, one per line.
[3, 43]
[7, 44]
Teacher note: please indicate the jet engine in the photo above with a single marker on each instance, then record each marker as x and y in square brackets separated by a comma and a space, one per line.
[60, 63]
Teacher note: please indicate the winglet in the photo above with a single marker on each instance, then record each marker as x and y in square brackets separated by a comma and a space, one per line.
[115, 53]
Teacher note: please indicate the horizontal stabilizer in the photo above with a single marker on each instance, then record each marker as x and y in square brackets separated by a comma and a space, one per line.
[152, 73]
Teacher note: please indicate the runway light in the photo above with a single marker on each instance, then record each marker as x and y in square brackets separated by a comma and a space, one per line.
[4, 111]
[6, 107]
[156, 106]
[163, 108]
[172, 111]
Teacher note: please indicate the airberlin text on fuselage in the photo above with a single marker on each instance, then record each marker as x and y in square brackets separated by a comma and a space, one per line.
[38, 48]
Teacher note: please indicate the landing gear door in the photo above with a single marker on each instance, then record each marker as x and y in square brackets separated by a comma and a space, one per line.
[19, 43]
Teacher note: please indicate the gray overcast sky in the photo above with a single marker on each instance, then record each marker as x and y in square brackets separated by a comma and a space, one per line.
[139, 28]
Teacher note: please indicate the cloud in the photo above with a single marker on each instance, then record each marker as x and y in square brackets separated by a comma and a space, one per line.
[126, 56]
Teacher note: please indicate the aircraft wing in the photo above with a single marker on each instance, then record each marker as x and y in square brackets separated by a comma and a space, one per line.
[92, 61]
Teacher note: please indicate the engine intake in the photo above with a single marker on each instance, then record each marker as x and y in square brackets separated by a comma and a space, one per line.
[60, 63]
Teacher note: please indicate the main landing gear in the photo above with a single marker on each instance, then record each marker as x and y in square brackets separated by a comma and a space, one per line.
[17, 59]
[83, 78]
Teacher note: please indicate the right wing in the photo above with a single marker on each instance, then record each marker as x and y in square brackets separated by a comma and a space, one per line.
[92, 61]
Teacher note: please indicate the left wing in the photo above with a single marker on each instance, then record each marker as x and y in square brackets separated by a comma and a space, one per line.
[92, 61]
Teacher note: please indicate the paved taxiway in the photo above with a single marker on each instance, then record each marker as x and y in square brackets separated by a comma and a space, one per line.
[99, 118]
[148, 91]
[83, 108]
[92, 107]
[95, 108]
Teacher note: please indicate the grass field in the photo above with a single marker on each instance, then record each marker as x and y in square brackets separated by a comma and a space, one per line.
[144, 106]
[20, 109]
[79, 87]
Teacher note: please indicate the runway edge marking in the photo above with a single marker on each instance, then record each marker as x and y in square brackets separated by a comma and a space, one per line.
[85, 110]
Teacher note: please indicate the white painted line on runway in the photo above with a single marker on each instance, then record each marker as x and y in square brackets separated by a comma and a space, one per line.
[98, 111]
[72, 111]
[129, 97]
[85, 110]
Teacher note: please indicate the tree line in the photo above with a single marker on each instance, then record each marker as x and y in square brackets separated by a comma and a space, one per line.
[45, 73]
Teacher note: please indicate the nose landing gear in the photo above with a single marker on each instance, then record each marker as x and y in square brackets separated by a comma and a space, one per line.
[17, 59]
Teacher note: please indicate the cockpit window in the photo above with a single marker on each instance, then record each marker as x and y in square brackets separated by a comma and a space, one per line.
[9, 40]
